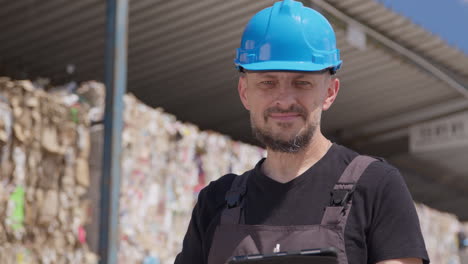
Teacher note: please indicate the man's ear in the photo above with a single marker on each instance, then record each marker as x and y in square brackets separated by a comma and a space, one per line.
[242, 89]
[331, 93]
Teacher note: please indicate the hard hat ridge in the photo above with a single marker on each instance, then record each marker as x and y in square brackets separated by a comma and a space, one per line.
[288, 36]
[287, 5]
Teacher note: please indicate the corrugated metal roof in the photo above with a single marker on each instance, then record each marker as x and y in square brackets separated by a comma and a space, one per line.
[373, 77]
[181, 58]
[405, 32]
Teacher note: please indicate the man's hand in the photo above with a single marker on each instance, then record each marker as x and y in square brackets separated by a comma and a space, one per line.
[402, 261]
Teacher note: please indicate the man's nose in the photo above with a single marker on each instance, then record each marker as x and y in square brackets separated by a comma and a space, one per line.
[285, 96]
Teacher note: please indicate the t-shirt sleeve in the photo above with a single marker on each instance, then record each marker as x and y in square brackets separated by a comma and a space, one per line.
[394, 231]
[205, 215]
[192, 251]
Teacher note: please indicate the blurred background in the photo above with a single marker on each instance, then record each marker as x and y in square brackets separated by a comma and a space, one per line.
[404, 97]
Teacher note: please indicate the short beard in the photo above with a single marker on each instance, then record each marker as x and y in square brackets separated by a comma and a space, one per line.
[293, 145]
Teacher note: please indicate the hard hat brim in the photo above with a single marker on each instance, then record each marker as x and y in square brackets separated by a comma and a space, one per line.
[286, 66]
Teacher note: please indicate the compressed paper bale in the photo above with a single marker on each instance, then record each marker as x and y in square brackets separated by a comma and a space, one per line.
[5, 190]
[19, 159]
[84, 211]
[6, 170]
[25, 105]
[20, 133]
[3, 235]
[94, 94]
[80, 191]
[164, 165]
[50, 139]
[49, 207]
[83, 141]
[31, 209]
[40, 237]
[24, 126]
[71, 238]
[68, 180]
[6, 134]
[82, 172]
[50, 170]
[32, 100]
[37, 125]
[6, 120]
[33, 163]
[68, 134]
[440, 234]
[64, 217]
[26, 85]
[8, 253]
[41, 171]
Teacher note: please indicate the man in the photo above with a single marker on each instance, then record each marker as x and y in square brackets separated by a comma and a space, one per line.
[308, 192]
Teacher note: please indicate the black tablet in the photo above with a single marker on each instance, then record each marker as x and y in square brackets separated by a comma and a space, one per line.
[307, 256]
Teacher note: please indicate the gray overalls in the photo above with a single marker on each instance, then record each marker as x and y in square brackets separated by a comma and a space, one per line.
[233, 237]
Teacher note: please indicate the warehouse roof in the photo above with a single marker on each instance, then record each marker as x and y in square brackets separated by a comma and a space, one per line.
[181, 58]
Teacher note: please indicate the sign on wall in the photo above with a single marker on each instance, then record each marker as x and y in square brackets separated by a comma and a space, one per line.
[445, 133]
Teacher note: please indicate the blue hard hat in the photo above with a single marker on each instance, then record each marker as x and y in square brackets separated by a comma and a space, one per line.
[288, 36]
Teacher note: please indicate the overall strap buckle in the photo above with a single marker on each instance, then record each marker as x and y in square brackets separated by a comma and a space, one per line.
[340, 197]
[342, 194]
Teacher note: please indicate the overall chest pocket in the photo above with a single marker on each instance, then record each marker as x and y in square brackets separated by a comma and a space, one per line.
[258, 239]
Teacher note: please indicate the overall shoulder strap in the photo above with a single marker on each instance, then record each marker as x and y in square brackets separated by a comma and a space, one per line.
[232, 213]
[341, 195]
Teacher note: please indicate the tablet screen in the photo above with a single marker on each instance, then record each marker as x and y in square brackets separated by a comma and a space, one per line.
[312, 256]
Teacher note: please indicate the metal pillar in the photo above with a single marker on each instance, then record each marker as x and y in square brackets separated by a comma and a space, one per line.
[116, 80]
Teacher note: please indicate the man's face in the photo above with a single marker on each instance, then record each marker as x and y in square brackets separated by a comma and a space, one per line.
[285, 107]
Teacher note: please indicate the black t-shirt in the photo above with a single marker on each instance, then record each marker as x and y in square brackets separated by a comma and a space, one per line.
[382, 224]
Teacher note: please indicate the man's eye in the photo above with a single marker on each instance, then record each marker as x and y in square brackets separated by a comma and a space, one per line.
[304, 85]
[267, 84]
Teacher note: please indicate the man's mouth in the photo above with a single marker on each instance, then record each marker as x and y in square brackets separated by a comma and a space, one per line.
[285, 117]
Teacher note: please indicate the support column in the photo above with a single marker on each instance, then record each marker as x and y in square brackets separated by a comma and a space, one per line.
[116, 81]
